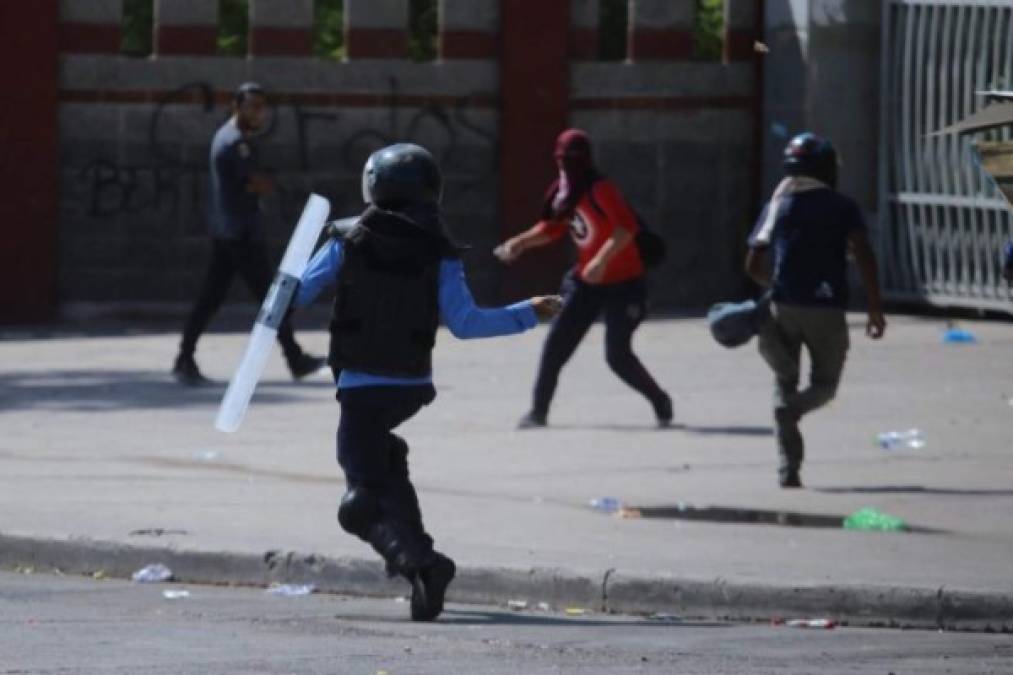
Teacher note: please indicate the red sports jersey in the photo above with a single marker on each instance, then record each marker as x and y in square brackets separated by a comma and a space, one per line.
[591, 227]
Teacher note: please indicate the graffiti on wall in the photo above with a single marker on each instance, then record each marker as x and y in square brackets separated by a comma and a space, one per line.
[168, 182]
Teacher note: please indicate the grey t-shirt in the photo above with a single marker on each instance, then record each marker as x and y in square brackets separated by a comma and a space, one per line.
[233, 211]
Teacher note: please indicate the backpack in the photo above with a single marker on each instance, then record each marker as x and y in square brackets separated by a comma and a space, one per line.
[651, 246]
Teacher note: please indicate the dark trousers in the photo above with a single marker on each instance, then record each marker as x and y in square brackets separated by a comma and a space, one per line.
[625, 306]
[375, 458]
[824, 334]
[249, 259]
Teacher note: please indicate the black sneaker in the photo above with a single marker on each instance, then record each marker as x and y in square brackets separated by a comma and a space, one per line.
[790, 479]
[305, 364]
[186, 371]
[532, 420]
[429, 586]
[663, 411]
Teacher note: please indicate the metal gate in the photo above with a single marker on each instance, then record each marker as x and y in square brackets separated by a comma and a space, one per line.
[943, 223]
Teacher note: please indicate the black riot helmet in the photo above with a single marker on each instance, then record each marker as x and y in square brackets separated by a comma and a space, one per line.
[401, 175]
[810, 155]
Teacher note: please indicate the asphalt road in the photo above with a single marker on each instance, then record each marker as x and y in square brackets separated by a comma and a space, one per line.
[54, 624]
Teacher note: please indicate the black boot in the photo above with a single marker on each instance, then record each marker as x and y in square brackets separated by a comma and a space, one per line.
[429, 587]
[533, 420]
[305, 364]
[663, 410]
[186, 372]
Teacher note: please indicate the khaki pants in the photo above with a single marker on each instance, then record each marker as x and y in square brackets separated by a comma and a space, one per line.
[824, 333]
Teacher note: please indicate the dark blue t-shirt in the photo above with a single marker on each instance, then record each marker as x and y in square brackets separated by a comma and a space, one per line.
[808, 239]
[233, 211]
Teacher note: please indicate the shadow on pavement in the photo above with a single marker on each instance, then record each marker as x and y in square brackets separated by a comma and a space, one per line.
[454, 616]
[719, 430]
[913, 489]
[729, 430]
[749, 516]
[108, 390]
[464, 617]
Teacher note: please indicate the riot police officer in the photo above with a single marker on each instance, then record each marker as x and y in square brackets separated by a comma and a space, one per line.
[397, 272]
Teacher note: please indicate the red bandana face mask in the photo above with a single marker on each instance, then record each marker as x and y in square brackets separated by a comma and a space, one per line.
[576, 171]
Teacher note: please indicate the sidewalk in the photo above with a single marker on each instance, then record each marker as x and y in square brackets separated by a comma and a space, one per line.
[98, 444]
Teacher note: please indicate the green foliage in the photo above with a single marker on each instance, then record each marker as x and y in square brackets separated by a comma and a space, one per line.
[233, 26]
[422, 30]
[613, 23]
[138, 26]
[329, 29]
[709, 29]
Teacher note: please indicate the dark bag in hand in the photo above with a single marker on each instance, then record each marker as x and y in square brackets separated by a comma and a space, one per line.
[733, 324]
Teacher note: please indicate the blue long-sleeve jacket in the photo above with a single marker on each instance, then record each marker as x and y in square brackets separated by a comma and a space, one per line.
[457, 307]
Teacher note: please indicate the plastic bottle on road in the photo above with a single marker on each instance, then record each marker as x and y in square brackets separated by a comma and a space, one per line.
[895, 440]
[291, 590]
[152, 574]
[606, 504]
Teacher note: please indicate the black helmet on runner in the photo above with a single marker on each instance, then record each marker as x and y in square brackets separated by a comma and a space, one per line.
[810, 155]
[401, 175]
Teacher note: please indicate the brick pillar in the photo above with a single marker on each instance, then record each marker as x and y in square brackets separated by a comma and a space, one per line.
[468, 29]
[29, 195]
[186, 27]
[90, 26]
[376, 29]
[661, 30]
[281, 27]
[741, 29]
[535, 82]
[584, 18]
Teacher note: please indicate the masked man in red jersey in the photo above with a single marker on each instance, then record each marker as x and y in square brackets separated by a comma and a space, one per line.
[608, 278]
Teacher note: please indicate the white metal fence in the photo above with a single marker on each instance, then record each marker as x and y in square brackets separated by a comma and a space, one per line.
[943, 222]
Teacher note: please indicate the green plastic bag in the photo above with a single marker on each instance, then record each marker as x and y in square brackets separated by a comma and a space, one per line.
[873, 519]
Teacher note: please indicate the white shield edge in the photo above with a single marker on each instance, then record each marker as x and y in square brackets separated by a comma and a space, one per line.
[258, 348]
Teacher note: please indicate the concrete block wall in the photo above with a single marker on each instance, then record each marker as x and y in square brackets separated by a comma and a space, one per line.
[134, 133]
[678, 137]
[822, 74]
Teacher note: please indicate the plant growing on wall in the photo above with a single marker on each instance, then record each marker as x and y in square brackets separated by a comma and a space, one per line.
[138, 25]
[233, 24]
[329, 29]
[708, 30]
[422, 30]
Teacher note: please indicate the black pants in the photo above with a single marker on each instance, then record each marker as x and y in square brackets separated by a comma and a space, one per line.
[249, 259]
[375, 458]
[625, 306]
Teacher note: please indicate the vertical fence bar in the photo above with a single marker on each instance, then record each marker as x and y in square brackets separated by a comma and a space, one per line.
[953, 156]
[908, 151]
[934, 223]
[971, 82]
[886, 142]
[921, 230]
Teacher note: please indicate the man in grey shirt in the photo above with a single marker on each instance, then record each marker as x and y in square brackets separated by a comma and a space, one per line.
[237, 236]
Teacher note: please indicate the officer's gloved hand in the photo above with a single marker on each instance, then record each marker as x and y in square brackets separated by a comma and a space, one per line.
[547, 306]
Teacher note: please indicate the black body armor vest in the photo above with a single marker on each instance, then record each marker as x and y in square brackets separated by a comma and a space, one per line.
[386, 308]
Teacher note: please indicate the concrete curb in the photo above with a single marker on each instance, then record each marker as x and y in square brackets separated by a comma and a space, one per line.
[610, 591]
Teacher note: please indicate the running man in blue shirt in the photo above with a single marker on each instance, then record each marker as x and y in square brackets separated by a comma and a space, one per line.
[396, 273]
